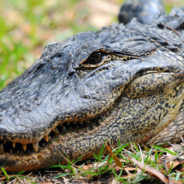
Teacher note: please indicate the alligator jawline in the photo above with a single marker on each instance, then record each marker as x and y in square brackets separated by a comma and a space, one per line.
[62, 130]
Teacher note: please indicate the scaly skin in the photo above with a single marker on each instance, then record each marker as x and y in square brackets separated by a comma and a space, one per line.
[121, 83]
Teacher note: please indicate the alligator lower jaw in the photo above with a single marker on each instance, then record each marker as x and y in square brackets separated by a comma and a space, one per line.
[57, 149]
[52, 152]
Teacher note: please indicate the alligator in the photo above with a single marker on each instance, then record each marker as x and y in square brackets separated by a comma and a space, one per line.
[144, 10]
[117, 85]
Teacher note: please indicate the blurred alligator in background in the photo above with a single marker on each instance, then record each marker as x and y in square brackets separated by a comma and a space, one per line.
[144, 10]
[122, 83]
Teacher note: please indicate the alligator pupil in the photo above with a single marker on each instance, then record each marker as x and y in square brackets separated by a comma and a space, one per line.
[95, 58]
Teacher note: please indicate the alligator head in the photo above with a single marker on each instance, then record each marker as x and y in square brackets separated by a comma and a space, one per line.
[121, 83]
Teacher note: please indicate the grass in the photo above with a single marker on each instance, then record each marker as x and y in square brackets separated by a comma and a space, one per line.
[107, 165]
[27, 26]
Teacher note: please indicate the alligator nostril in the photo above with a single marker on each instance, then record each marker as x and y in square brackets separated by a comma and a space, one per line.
[71, 73]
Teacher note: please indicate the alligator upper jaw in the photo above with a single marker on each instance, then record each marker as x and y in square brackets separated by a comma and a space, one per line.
[51, 150]
[59, 131]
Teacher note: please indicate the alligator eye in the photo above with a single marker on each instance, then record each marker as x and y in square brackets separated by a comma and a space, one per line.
[94, 60]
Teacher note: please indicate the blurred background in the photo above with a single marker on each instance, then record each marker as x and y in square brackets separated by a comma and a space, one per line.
[26, 26]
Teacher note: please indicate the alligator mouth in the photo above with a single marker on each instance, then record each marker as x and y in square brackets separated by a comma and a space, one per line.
[63, 129]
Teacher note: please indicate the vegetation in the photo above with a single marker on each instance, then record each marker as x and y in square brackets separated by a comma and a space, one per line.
[128, 163]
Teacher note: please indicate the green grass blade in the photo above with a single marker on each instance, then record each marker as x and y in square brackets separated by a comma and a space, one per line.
[5, 173]
[164, 149]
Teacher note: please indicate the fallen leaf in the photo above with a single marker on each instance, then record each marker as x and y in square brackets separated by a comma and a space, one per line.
[128, 176]
[175, 164]
[176, 147]
[3, 178]
[130, 168]
[116, 159]
[153, 171]
[181, 169]
[85, 167]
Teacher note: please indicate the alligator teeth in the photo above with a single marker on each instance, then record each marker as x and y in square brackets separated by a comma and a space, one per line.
[46, 138]
[1, 149]
[56, 132]
[70, 128]
[24, 146]
[13, 144]
[35, 146]
[64, 129]
[4, 142]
